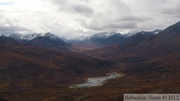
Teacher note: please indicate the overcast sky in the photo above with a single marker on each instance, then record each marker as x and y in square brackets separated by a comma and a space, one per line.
[73, 18]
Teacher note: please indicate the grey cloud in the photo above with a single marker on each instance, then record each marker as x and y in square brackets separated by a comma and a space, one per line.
[126, 25]
[120, 6]
[11, 29]
[172, 10]
[93, 25]
[83, 10]
[79, 7]
[134, 18]
[99, 26]
[108, 14]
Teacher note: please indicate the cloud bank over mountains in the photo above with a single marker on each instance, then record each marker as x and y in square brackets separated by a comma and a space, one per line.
[73, 18]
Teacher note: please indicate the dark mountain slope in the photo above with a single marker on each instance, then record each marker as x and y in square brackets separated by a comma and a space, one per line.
[146, 45]
[6, 41]
[137, 39]
[49, 41]
[107, 40]
[170, 33]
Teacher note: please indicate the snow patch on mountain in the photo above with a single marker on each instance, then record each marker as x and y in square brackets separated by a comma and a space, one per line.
[154, 32]
[29, 37]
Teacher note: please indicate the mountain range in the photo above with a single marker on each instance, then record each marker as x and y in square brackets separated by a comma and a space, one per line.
[47, 40]
[39, 67]
[105, 39]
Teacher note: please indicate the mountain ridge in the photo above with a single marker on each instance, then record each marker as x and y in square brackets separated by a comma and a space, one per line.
[47, 40]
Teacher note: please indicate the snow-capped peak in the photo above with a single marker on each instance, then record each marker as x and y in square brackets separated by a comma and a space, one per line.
[51, 36]
[131, 33]
[142, 32]
[29, 36]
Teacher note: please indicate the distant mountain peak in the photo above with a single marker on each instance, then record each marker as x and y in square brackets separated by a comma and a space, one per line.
[154, 32]
[12, 35]
[107, 38]
[51, 36]
[49, 40]
[103, 35]
[30, 36]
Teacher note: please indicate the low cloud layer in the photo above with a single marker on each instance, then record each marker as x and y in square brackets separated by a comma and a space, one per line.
[73, 18]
